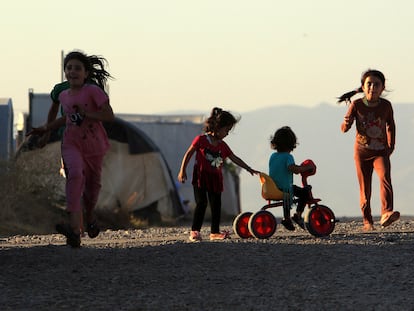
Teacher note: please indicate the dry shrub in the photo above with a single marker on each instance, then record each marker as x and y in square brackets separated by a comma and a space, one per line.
[32, 192]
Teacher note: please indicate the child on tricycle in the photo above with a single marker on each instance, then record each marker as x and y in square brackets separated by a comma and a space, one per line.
[279, 187]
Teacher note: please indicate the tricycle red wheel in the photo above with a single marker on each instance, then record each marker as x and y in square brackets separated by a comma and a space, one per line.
[320, 220]
[262, 224]
[241, 225]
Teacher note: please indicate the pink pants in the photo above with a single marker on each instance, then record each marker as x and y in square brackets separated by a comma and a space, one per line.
[366, 161]
[83, 179]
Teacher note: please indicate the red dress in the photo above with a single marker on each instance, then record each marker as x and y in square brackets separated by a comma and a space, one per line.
[209, 160]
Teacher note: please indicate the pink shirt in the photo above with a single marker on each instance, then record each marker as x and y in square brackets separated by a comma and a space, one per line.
[90, 136]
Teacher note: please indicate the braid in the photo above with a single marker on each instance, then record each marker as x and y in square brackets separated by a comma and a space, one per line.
[370, 72]
[347, 96]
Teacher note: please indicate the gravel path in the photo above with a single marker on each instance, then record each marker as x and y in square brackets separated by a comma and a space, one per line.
[159, 269]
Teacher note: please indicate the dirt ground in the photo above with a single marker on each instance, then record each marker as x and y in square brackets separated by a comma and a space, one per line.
[159, 269]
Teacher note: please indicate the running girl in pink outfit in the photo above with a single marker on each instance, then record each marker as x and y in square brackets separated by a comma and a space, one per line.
[211, 151]
[374, 144]
[84, 142]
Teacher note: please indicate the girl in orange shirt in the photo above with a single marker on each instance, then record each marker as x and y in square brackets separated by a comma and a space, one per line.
[374, 143]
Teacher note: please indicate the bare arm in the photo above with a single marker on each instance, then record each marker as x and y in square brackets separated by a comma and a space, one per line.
[48, 127]
[53, 111]
[242, 164]
[348, 119]
[56, 123]
[391, 135]
[297, 169]
[51, 116]
[182, 175]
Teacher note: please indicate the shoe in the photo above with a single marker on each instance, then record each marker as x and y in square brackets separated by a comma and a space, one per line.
[220, 236]
[93, 229]
[299, 220]
[389, 217]
[368, 227]
[287, 223]
[195, 236]
[72, 238]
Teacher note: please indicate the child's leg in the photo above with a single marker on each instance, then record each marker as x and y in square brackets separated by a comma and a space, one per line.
[303, 197]
[200, 196]
[215, 205]
[76, 220]
[286, 221]
[73, 163]
[93, 170]
[364, 169]
[382, 167]
[286, 205]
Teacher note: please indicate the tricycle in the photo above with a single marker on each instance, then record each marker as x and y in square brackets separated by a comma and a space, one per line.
[319, 219]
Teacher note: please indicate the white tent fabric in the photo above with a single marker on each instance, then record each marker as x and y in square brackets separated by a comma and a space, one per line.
[134, 181]
[135, 174]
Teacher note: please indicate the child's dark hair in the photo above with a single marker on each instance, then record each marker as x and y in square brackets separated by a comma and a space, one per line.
[94, 64]
[284, 140]
[370, 72]
[218, 119]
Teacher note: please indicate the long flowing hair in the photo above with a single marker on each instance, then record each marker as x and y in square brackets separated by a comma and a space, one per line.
[94, 64]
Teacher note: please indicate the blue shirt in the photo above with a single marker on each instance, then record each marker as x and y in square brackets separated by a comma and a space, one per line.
[278, 170]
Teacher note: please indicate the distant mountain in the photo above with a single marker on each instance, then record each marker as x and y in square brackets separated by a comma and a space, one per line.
[320, 139]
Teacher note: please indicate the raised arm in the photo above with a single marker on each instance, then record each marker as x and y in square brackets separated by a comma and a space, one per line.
[242, 164]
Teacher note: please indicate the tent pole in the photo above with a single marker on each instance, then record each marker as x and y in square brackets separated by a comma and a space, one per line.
[61, 67]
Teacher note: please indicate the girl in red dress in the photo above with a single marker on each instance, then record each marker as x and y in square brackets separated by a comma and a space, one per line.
[211, 151]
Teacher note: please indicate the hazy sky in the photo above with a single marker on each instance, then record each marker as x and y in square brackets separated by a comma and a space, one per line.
[187, 55]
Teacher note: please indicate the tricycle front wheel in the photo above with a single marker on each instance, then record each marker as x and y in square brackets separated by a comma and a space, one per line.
[320, 220]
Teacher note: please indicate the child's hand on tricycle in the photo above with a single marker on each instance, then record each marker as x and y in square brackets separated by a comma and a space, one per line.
[252, 171]
[309, 166]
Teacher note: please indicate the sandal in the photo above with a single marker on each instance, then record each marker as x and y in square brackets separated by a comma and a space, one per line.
[220, 236]
[93, 229]
[195, 236]
[388, 218]
[72, 238]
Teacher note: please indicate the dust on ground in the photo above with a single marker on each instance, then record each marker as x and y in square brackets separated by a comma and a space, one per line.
[159, 269]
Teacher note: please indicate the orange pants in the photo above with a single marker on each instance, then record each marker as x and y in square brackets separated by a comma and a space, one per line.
[366, 161]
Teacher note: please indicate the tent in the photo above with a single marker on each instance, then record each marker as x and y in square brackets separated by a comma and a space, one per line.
[135, 174]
